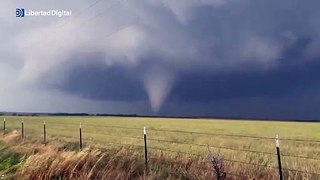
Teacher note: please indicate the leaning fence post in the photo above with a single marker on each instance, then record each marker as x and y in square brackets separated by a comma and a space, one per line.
[80, 142]
[22, 130]
[4, 126]
[44, 132]
[145, 148]
[279, 157]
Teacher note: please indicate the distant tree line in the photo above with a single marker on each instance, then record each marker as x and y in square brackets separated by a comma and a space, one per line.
[136, 115]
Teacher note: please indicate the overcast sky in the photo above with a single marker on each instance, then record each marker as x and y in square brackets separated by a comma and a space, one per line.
[234, 58]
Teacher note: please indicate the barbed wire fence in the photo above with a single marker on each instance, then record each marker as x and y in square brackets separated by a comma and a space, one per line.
[145, 141]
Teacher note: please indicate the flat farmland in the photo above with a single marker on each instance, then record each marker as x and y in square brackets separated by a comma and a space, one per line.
[240, 143]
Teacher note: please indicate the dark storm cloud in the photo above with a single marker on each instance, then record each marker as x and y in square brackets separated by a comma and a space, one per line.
[187, 55]
[277, 83]
[98, 82]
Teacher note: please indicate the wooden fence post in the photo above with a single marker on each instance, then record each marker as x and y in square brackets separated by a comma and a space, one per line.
[44, 132]
[80, 140]
[22, 130]
[145, 148]
[4, 126]
[279, 157]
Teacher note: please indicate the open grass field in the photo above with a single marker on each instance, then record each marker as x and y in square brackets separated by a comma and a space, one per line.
[242, 144]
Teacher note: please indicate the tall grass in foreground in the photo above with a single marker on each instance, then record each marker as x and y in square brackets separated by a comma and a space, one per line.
[62, 160]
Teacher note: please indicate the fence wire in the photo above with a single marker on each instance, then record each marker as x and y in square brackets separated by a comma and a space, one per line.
[49, 127]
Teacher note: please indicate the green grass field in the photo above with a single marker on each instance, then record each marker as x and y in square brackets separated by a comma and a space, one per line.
[232, 139]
